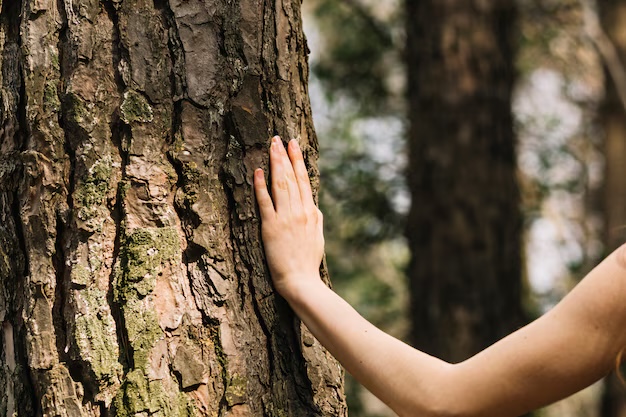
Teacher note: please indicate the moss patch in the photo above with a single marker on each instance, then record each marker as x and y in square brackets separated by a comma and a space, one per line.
[51, 102]
[80, 275]
[78, 113]
[143, 255]
[144, 252]
[135, 108]
[138, 395]
[143, 331]
[133, 397]
[95, 337]
[236, 393]
[54, 59]
[90, 196]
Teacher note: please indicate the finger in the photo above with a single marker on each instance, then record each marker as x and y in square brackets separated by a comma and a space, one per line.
[295, 201]
[302, 175]
[280, 191]
[266, 207]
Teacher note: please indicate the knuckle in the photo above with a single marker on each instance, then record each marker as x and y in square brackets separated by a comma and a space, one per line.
[262, 198]
[300, 217]
[311, 213]
[281, 183]
[281, 221]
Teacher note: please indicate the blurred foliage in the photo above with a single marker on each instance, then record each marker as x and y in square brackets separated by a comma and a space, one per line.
[362, 225]
[357, 65]
[360, 57]
[559, 91]
[353, 190]
[351, 63]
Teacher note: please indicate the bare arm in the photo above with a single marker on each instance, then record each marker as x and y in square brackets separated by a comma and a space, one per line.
[567, 349]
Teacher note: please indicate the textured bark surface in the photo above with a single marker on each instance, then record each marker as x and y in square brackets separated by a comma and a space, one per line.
[464, 223]
[132, 275]
[613, 120]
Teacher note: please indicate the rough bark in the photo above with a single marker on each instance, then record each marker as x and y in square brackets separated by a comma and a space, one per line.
[464, 222]
[613, 120]
[132, 276]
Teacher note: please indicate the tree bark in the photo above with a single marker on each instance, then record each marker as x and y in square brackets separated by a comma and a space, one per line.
[464, 226]
[613, 120]
[133, 276]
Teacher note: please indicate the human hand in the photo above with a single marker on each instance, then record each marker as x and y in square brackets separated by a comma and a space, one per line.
[291, 223]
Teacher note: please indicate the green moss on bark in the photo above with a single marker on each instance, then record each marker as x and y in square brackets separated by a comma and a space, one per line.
[142, 327]
[135, 108]
[139, 395]
[95, 337]
[78, 112]
[54, 59]
[237, 390]
[144, 254]
[51, 100]
[80, 275]
[90, 195]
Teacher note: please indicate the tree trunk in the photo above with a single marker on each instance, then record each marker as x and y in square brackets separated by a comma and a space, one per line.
[613, 120]
[133, 276]
[464, 223]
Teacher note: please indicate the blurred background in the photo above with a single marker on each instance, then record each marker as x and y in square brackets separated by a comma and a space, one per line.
[472, 158]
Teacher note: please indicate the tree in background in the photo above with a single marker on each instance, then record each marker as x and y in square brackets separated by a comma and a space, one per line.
[132, 274]
[464, 226]
[366, 45]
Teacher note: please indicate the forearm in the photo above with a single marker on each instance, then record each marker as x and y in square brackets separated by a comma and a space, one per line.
[553, 357]
[408, 380]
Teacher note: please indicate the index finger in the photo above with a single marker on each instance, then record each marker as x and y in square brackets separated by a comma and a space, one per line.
[302, 175]
[266, 206]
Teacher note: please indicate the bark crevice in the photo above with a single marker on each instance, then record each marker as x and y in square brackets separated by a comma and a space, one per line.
[120, 137]
[177, 55]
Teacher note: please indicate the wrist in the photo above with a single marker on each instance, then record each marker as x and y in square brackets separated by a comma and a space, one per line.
[297, 288]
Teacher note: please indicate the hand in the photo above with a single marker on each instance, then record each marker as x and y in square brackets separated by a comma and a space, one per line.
[291, 224]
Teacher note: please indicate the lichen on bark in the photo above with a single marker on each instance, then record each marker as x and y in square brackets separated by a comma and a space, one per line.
[135, 108]
[90, 195]
[145, 253]
[94, 334]
[139, 396]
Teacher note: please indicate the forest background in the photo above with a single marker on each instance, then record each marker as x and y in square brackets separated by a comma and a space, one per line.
[566, 111]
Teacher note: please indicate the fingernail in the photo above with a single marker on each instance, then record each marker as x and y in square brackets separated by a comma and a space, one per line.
[258, 173]
[294, 144]
[276, 139]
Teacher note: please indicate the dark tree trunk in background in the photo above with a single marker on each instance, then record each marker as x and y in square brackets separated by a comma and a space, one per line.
[464, 225]
[132, 275]
[613, 120]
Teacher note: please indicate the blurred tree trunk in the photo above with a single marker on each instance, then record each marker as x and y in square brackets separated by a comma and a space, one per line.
[132, 275]
[613, 119]
[464, 226]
